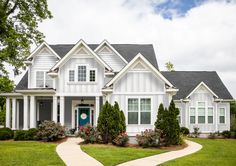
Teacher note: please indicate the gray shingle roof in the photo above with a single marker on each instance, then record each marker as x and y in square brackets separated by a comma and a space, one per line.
[128, 51]
[23, 84]
[186, 81]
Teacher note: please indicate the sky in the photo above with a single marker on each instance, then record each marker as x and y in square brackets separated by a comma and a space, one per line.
[195, 35]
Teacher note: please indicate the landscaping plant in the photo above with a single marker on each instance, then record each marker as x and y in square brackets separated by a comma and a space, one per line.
[6, 133]
[50, 131]
[148, 138]
[184, 131]
[226, 134]
[121, 140]
[196, 132]
[89, 134]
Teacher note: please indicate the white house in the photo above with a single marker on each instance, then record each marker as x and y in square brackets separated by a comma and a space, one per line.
[69, 84]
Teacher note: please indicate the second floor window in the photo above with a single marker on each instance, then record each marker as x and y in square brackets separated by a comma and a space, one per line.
[82, 73]
[43, 80]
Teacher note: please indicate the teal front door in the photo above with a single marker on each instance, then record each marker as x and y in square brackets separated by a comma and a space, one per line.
[84, 116]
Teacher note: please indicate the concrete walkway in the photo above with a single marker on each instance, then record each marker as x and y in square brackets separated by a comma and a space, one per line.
[161, 158]
[72, 155]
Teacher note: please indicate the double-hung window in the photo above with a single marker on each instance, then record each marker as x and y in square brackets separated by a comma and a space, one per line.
[82, 73]
[210, 115]
[92, 75]
[139, 110]
[43, 80]
[192, 114]
[201, 112]
[71, 75]
[222, 115]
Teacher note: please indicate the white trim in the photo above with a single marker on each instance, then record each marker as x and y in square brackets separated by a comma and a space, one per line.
[202, 83]
[125, 69]
[74, 48]
[37, 91]
[137, 93]
[112, 48]
[39, 47]
[79, 94]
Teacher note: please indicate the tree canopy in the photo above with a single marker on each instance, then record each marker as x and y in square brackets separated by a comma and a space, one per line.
[19, 29]
[170, 66]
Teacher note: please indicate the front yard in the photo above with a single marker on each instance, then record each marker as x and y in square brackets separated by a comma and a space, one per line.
[219, 152]
[28, 153]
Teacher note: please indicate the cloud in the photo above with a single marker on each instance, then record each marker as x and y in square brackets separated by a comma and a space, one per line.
[203, 39]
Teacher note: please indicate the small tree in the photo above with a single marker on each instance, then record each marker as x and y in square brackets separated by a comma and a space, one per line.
[123, 124]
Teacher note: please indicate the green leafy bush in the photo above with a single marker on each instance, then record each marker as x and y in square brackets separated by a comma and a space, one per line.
[121, 140]
[6, 133]
[32, 134]
[226, 134]
[89, 134]
[196, 132]
[212, 136]
[184, 130]
[50, 131]
[20, 135]
[148, 138]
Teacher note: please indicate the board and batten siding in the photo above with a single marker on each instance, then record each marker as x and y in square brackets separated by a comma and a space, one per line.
[64, 87]
[43, 61]
[203, 95]
[139, 84]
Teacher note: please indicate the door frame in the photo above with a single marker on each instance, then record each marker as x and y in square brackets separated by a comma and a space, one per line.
[77, 112]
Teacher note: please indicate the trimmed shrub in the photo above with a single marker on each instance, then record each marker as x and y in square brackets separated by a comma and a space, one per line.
[121, 140]
[32, 134]
[148, 138]
[212, 136]
[232, 134]
[7, 132]
[20, 135]
[89, 134]
[50, 131]
[184, 131]
[226, 134]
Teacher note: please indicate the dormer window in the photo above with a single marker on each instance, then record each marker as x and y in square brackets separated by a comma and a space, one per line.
[43, 80]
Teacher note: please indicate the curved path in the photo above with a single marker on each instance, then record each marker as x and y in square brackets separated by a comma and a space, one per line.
[72, 155]
[161, 158]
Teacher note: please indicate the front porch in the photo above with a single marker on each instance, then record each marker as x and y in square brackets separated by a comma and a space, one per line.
[28, 111]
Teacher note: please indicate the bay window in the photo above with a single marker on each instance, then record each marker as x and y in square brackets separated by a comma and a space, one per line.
[139, 110]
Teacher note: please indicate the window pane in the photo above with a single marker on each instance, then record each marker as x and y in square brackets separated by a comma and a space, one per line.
[40, 79]
[92, 75]
[201, 119]
[222, 119]
[71, 75]
[133, 105]
[82, 72]
[201, 104]
[145, 117]
[222, 112]
[201, 111]
[192, 119]
[210, 119]
[210, 111]
[145, 104]
[192, 111]
[49, 82]
[132, 117]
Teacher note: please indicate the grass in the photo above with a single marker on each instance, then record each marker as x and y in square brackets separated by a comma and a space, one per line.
[28, 153]
[219, 152]
[112, 155]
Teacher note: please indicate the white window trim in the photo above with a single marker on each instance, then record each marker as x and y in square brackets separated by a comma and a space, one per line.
[212, 115]
[190, 115]
[44, 79]
[139, 111]
[224, 115]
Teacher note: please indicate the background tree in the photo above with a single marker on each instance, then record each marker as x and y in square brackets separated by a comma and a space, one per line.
[6, 85]
[233, 116]
[169, 66]
[18, 30]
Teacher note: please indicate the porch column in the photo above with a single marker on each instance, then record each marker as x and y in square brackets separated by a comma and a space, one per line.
[62, 110]
[8, 112]
[17, 114]
[54, 109]
[25, 123]
[32, 112]
[13, 113]
[97, 110]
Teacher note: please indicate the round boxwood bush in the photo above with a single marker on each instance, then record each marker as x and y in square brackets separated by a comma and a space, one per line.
[184, 130]
[226, 134]
[31, 134]
[20, 135]
[6, 133]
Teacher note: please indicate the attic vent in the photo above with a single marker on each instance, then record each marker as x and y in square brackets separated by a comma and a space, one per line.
[139, 66]
[82, 51]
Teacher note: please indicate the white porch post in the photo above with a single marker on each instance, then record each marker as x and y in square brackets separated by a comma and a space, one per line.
[8, 112]
[97, 110]
[17, 114]
[32, 112]
[62, 110]
[13, 113]
[54, 109]
[25, 123]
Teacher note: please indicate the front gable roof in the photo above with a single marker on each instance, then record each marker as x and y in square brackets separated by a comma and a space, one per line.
[129, 65]
[187, 81]
[81, 42]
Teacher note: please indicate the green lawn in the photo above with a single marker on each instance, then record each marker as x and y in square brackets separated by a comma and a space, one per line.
[17, 153]
[220, 152]
[112, 155]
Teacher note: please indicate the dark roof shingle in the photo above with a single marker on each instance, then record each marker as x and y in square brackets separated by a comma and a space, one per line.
[186, 81]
